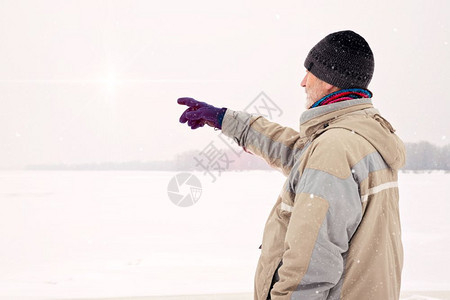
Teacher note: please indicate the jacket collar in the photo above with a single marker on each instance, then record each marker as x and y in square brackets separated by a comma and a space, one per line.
[315, 118]
[322, 110]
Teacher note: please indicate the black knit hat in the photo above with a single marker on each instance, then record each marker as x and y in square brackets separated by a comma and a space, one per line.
[343, 59]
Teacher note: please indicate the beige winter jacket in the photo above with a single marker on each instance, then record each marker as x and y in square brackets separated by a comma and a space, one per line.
[334, 232]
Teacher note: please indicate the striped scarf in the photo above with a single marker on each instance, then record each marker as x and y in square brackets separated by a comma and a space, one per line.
[343, 95]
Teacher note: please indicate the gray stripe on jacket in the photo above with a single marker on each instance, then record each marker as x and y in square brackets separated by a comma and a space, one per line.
[368, 164]
[344, 215]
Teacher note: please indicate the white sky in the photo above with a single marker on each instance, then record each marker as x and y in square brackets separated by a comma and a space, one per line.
[93, 81]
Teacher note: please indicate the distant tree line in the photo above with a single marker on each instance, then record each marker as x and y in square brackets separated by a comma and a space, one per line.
[426, 156]
[419, 156]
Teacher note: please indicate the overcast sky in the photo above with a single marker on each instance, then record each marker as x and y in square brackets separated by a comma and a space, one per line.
[94, 81]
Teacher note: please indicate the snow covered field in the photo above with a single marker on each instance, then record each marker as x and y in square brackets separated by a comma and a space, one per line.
[94, 234]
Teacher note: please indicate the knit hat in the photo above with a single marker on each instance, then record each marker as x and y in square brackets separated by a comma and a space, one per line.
[343, 59]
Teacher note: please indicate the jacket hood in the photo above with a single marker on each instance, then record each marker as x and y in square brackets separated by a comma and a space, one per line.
[360, 117]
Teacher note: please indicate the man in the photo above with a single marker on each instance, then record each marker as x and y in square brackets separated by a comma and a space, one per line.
[334, 232]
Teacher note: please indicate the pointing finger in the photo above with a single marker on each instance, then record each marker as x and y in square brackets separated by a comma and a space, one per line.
[191, 102]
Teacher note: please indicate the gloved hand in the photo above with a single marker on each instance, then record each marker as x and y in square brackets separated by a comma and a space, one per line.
[201, 113]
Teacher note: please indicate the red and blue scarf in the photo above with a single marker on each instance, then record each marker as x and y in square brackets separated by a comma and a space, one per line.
[343, 95]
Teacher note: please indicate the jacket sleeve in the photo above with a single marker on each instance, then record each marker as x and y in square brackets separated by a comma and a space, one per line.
[325, 213]
[276, 144]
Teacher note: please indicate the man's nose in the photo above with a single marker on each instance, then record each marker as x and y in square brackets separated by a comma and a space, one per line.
[303, 84]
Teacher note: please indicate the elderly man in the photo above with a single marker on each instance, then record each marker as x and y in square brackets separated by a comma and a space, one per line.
[334, 231]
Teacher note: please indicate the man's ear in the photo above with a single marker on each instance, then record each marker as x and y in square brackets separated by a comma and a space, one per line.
[330, 88]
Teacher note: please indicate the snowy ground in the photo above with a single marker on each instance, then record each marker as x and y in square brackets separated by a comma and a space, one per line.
[112, 234]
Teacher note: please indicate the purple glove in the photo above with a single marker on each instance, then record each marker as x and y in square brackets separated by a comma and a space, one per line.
[201, 113]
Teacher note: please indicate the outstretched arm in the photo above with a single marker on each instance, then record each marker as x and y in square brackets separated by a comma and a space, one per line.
[276, 144]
